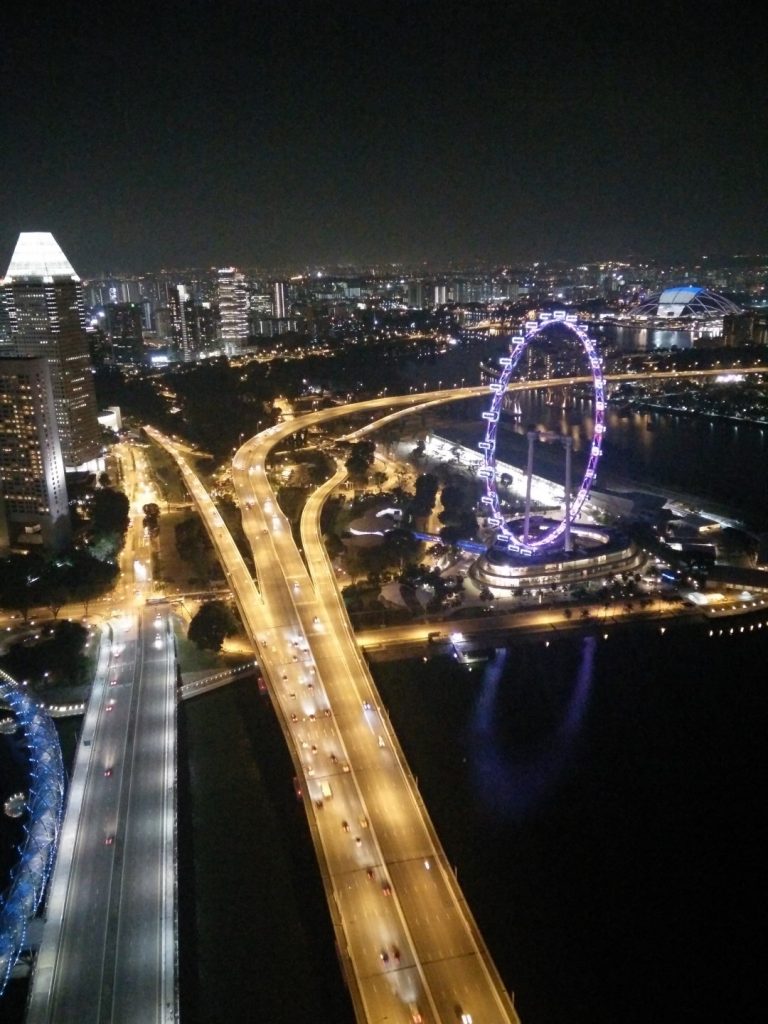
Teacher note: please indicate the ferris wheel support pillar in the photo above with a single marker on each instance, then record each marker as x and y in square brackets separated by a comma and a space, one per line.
[568, 442]
[532, 436]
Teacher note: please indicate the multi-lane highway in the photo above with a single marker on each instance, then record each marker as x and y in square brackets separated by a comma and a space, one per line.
[108, 951]
[409, 945]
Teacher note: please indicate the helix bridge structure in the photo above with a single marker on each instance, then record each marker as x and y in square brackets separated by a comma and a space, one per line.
[42, 820]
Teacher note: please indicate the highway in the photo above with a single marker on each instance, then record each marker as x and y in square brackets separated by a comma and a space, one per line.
[409, 945]
[108, 951]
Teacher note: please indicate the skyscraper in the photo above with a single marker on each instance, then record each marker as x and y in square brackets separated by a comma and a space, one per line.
[233, 309]
[279, 300]
[43, 297]
[179, 303]
[33, 496]
[122, 323]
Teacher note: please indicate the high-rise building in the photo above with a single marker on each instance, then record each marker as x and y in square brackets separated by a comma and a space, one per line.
[34, 512]
[43, 297]
[179, 304]
[125, 339]
[416, 294]
[278, 303]
[233, 309]
[193, 325]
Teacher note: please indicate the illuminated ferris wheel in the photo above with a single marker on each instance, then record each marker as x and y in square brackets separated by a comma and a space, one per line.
[517, 346]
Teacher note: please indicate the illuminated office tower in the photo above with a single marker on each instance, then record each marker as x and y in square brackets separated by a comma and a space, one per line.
[179, 303]
[43, 297]
[233, 309]
[34, 512]
[279, 300]
[122, 323]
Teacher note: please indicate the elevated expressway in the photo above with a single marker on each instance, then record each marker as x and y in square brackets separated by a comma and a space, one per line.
[408, 942]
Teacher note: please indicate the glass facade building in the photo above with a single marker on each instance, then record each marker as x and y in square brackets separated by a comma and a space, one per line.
[43, 298]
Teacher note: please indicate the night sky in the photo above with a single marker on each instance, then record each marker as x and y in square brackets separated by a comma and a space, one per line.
[275, 132]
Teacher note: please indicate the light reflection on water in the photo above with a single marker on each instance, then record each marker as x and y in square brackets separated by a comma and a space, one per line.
[714, 459]
[513, 785]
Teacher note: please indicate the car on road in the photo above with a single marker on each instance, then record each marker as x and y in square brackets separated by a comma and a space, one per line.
[107, 773]
[109, 840]
[363, 823]
[345, 767]
[345, 826]
[384, 956]
[386, 888]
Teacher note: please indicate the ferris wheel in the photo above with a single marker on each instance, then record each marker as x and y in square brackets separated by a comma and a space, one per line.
[517, 346]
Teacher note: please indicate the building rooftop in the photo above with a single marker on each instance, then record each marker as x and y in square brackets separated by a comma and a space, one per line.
[38, 254]
[685, 302]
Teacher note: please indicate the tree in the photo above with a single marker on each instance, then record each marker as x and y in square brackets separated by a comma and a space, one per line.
[213, 622]
[109, 510]
[20, 577]
[57, 658]
[425, 494]
[193, 545]
[54, 586]
[333, 545]
[88, 577]
[360, 459]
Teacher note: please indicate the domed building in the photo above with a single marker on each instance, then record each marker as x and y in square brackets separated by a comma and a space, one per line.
[687, 307]
[686, 303]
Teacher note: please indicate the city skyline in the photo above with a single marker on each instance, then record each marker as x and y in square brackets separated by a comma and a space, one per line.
[402, 133]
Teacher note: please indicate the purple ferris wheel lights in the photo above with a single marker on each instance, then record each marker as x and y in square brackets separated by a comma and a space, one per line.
[498, 389]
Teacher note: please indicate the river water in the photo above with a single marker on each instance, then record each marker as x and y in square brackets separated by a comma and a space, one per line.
[722, 462]
[603, 804]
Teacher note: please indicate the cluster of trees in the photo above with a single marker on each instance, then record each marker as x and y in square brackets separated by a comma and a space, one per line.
[213, 622]
[57, 659]
[151, 518]
[33, 581]
[108, 512]
[360, 459]
[194, 546]
[457, 498]
[398, 548]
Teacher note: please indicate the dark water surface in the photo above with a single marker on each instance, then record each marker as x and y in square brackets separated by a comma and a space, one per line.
[604, 804]
[722, 463]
